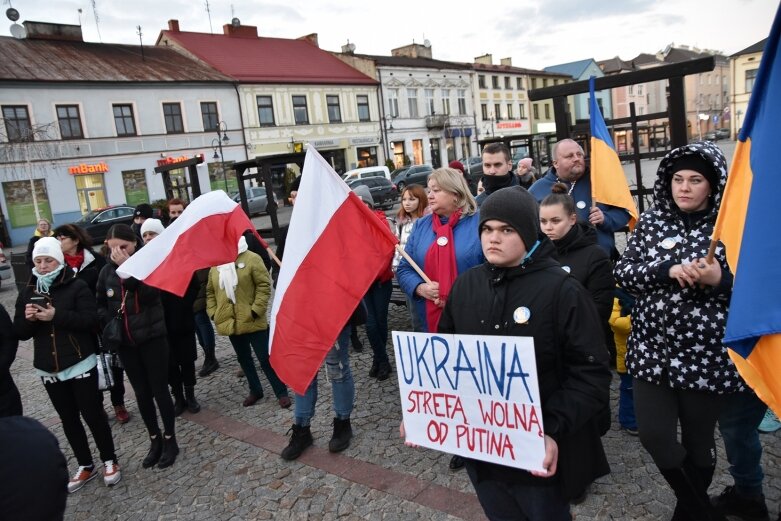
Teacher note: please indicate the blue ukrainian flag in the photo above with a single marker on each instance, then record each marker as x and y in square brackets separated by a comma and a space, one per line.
[748, 225]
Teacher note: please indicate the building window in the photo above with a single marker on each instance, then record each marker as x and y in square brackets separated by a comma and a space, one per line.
[536, 110]
[123, 120]
[461, 101]
[631, 90]
[334, 111]
[547, 111]
[265, 111]
[639, 90]
[412, 102]
[497, 111]
[495, 82]
[393, 103]
[484, 111]
[300, 113]
[481, 81]
[508, 82]
[173, 118]
[509, 111]
[211, 120]
[17, 123]
[751, 76]
[555, 81]
[70, 122]
[521, 111]
[534, 83]
[544, 82]
[445, 101]
[363, 107]
[430, 110]
[519, 83]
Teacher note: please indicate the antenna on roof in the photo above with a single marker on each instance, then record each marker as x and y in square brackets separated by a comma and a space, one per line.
[140, 40]
[97, 19]
[79, 11]
[209, 14]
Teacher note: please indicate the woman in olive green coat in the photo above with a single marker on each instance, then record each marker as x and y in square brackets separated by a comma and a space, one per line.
[236, 299]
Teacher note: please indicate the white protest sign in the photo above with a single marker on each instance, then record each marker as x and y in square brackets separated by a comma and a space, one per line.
[475, 396]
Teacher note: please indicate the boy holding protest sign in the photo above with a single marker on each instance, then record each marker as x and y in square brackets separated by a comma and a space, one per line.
[522, 291]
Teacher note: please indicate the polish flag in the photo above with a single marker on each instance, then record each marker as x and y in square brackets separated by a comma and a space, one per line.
[205, 235]
[335, 249]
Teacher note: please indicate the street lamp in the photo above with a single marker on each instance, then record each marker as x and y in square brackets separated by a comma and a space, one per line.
[222, 127]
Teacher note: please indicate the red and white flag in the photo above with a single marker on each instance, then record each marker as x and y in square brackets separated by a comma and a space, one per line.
[205, 235]
[335, 249]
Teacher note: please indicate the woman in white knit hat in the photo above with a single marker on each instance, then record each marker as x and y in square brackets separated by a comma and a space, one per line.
[58, 311]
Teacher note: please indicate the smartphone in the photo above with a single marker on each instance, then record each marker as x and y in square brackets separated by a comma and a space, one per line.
[39, 300]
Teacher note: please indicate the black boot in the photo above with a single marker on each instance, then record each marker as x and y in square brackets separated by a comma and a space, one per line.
[733, 503]
[210, 363]
[179, 403]
[383, 371]
[155, 450]
[374, 369]
[355, 341]
[690, 485]
[300, 440]
[343, 432]
[189, 397]
[170, 451]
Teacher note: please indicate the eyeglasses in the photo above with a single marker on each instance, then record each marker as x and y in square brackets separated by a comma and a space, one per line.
[62, 236]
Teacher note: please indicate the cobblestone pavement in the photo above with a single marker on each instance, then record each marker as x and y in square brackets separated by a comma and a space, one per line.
[230, 469]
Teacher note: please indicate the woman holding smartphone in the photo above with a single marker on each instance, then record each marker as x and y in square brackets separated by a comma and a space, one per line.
[58, 311]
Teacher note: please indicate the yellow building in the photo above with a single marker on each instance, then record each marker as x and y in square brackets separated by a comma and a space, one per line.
[743, 68]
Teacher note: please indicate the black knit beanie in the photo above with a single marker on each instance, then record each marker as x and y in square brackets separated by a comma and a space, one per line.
[699, 164]
[516, 207]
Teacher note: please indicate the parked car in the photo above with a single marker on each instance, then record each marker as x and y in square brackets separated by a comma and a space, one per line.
[383, 192]
[369, 171]
[5, 266]
[722, 133]
[413, 175]
[97, 222]
[256, 200]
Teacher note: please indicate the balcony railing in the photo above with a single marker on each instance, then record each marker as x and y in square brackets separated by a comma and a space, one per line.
[436, 121]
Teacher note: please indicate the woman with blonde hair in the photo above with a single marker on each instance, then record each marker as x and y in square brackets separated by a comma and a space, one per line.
[414, 202]
[43, 228]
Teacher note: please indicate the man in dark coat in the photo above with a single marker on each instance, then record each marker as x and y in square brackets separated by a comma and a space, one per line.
[497, 170]
[522, 291]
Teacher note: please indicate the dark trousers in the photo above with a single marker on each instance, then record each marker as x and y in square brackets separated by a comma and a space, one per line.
[10, 400]
[660, 408]
[117, 390]
[181, 359]
[257, 341]
[146, 366]
[504, 501]
[80, 396]
[738, 424]
[377, 300]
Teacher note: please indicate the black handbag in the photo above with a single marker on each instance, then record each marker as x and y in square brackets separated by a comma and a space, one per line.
[112, 332]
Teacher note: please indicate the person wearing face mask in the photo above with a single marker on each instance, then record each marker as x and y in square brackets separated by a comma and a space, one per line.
[570, 168]
[497, 170]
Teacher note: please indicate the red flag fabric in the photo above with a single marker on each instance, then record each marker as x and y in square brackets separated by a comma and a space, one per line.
[334, 250]
[205, 235]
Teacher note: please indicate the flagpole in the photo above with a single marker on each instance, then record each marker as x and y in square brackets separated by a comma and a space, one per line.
[412, 263]
[276, 259]
[711, 250]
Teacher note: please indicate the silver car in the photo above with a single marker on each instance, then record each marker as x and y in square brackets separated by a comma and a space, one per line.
[256, 200]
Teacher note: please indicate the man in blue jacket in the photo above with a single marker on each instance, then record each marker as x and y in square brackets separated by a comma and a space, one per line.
[569, 167]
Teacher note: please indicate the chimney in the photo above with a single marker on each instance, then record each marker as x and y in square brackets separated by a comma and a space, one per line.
[414, 50]
[311, 38]
[348, 48]
[485, 59]
[173, 26]
[50, 31]
[506, 61]
[236, 30]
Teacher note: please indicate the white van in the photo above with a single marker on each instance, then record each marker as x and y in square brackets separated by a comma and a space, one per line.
[369, 171]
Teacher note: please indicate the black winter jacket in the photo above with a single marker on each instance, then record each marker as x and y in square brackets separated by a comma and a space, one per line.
[677, 332]
[581, 256]
[143, 319]
[90, 268]
[70, 337]
[572, 363]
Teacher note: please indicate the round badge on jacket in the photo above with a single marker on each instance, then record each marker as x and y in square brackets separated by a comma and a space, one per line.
[442, 241]
[521, 315]
[668, 243]
[109, 292]
[567, 269]
[581, 204]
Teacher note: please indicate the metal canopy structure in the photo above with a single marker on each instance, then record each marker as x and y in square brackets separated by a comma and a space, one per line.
[262, 173]
[190, 165]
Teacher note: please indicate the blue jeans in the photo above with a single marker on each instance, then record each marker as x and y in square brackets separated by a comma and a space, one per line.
[259, 343]
[417, 325]
[377, 300]
[337, 364]
[738, 424]
[204, 330]
[626, 403]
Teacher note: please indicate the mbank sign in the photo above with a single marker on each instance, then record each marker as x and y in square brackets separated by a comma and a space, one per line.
[84, 168]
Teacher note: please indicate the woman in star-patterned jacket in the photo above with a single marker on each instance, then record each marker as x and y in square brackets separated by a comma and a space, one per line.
[681, 369]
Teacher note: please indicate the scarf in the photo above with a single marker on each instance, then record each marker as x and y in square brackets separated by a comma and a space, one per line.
[228, 277]
[492, 183]
[440, 264]
[75, 261]
[44, 282]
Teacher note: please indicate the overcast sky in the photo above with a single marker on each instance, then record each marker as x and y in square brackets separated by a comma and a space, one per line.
[535, 33]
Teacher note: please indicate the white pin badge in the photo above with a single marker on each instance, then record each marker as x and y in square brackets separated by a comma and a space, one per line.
[668, 243]
[581, 204]
[567, 269]
[241, 265]
[442, 241]
[521, 315]
[109, 292]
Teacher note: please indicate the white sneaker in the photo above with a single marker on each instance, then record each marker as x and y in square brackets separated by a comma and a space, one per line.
[111, 473]
[81, 477]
